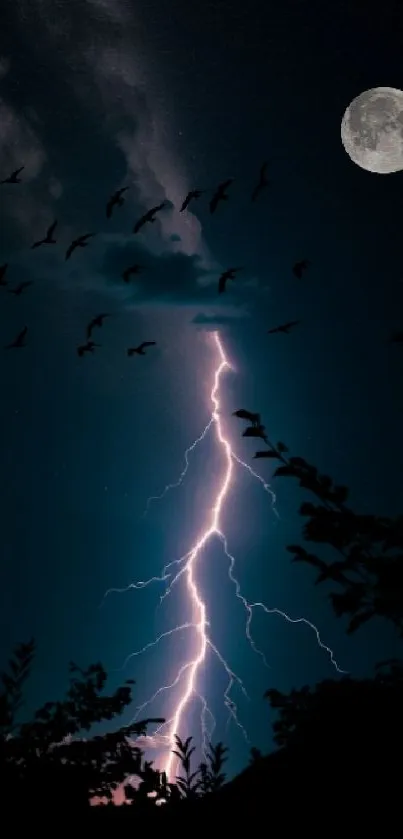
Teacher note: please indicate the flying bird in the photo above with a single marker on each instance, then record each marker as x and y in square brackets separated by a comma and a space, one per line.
[193, 194]
[220, 194]
[255, 431]
[97, 321]
[80, 242]
[300, 267]
[242, 413]
[48, 240]
[149, 216]
[13, 178]
[140, 349]
[20, 287]
[262, 183]
[132, 269]
[88, 347]
[397, 338]
[229, 274]
[115, 200]
[19, 341]
[285, 327]
[3, 270]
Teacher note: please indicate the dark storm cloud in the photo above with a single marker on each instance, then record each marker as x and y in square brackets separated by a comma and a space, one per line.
[210, 322]
[166, 278]
[175, 278]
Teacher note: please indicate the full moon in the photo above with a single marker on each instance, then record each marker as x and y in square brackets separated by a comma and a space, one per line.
[372, 130]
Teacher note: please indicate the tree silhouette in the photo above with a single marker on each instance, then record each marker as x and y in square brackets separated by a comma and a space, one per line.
[334, 713]
[255, 756]
[369, 564]
[49, 754]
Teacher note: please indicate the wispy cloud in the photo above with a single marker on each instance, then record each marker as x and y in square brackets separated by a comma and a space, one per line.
[96, 50]
[152, 165]
[19, 142]
[21, 145]
[113, 9]
[4, 66]
[55, 188]
[110, 63]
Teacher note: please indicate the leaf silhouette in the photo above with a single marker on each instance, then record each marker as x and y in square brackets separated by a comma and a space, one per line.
[285, 471]
[308, 509]
[267, 453]
[340, 494]
[251, 431]
[299, 462]
[301, 555]
[359, 619]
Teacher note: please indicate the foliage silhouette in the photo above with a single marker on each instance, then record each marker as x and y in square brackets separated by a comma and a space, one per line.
[211, 772]
[360, 718]
[188, 783]
[50, 753]
[11, 697]
[369, 567]
[153, 787]
[255, 756]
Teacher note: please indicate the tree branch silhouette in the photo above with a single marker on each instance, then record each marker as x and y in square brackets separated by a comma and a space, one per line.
[370, 568]
[49, 753]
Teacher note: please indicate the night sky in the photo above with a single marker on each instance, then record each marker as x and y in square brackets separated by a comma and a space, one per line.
[165, 98]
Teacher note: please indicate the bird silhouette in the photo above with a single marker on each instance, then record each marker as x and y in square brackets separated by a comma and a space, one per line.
[149, 216]
[255, 431]
[397, 338]
[242, 413]
[140, 349]
[3, 271]
[285, 327]
[20, 287]
[97, 321]
[220, 194]
[115, 200]
[19, 341]
[48, 240]
[13, 178]
[262, 183]
[300, 267]
[229, 274]
[80, 242]
[88, 347]
[193, 194]
[132, 269]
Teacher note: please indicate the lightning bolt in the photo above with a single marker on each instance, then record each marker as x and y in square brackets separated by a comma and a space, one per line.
[187, 674]
[184, 471]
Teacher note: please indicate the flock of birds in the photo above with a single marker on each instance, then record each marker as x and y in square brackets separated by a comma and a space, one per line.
[219, 194]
